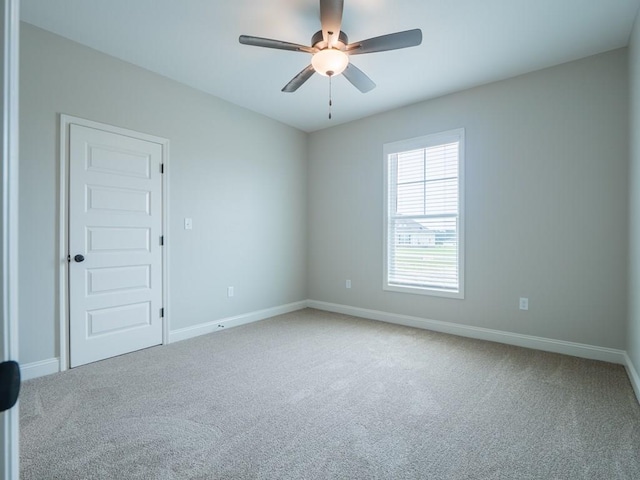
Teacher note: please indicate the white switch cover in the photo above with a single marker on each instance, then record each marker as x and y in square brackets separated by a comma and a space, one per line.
[188, 223]
[229, 291]
[347, 284]
[524, 303]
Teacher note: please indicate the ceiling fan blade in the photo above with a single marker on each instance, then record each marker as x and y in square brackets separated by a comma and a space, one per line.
[331, 20]
[297, 81]
[277, 44]
[358, 78]
[392, 41]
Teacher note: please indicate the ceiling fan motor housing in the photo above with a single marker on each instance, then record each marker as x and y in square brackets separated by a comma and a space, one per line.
[318, 42]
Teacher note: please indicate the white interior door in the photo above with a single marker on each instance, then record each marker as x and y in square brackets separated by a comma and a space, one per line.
[115, 229]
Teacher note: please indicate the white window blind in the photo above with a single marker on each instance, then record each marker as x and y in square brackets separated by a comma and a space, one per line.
[423, 238]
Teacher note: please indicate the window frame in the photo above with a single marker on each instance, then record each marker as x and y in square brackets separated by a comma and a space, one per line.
[417, 143]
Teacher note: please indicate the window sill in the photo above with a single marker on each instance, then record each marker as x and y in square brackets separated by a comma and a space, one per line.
[431, 292]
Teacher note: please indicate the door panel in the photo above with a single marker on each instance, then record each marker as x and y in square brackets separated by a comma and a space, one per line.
[118, 319]
[108, 160]
[118, 239]
[115, 223]
[118, 279]
[117, 200]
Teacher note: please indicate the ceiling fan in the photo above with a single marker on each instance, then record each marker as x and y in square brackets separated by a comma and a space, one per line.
[331, 49]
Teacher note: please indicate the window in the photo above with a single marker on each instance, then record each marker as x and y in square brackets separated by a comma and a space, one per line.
[424, 215]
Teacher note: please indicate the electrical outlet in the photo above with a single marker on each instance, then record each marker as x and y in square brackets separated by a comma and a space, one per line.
[347, 284]
[524, 303]
[230, 292]
[188, 223]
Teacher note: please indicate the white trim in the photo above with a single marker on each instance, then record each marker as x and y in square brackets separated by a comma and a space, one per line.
[63, 264]
[53, 365]
[165, 248]
[634, 378]
[41, 368]
[63, 225]
[229, 322]
[9, 165]
[458, 135]
[528, 341]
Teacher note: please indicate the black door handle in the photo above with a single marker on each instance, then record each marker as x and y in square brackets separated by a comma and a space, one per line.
[79, 258]
[9, 384]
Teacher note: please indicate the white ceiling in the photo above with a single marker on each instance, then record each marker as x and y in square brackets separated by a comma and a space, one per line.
[465, 43]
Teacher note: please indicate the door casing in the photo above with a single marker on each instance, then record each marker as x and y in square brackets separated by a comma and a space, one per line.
[9, 166]
[63, 263]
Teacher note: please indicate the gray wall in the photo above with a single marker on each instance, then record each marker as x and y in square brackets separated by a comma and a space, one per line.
[633, 339]
[283, 216]
[546, 204]
[240, 176]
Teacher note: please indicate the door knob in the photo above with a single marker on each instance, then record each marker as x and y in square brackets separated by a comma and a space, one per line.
[9, 384]
[79, 258]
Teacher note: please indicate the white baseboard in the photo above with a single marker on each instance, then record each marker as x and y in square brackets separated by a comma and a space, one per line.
[41, 368]
[527, 341]
[217, 325]
[633, 375]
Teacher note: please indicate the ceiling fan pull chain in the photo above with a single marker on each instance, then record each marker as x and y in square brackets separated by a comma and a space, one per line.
[330, 102]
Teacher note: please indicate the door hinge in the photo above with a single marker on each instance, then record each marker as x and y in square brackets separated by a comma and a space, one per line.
[162, 312]
[68, 258]
[162, 168]
[161, 240]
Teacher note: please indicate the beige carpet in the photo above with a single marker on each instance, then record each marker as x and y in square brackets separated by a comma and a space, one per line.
[313, 395]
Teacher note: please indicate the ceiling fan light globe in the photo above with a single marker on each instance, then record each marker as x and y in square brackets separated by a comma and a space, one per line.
[330, 62]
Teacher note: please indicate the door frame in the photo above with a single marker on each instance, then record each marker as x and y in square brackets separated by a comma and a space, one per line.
[63, 225]
[9, 166]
